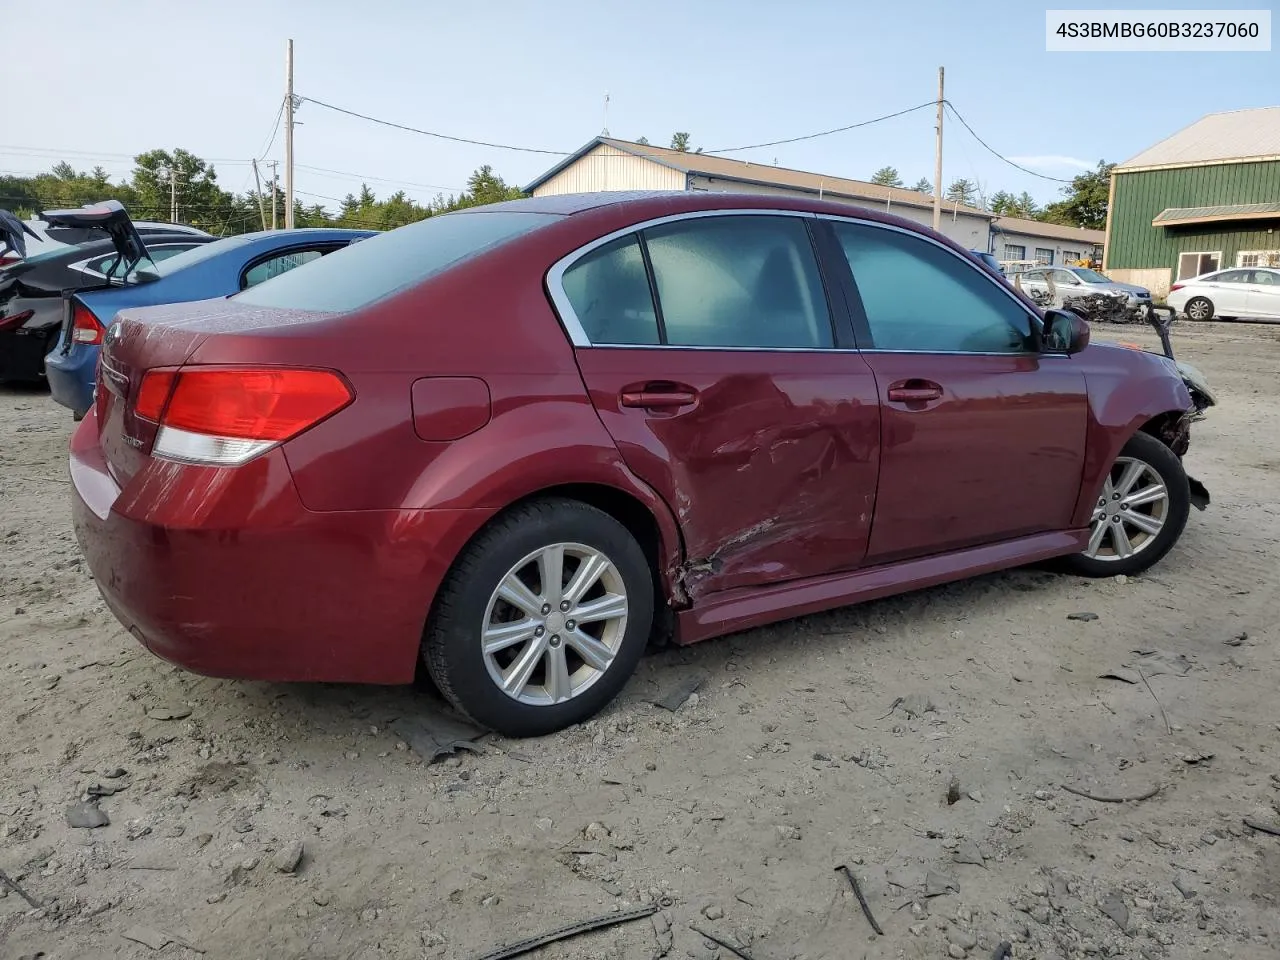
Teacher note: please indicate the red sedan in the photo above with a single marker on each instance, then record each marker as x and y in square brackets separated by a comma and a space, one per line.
[516, 441]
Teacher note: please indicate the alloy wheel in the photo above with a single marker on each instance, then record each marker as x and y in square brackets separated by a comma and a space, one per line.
[554, 624]
[1198, 309]
[1130, 513]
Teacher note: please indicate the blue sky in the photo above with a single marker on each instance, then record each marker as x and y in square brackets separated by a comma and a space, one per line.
[535, 74]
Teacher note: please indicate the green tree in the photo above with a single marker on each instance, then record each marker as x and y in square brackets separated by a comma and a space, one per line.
[963, 191]
[887, 177]
[680, 141]
[923, 185]
[644, 140]
[1086, 200]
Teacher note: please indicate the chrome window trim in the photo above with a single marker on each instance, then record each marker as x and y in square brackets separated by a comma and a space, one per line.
[578, 334]
[1005, 289]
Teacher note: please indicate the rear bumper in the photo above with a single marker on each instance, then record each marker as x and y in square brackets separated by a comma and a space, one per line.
[71, 377]
[225, 573]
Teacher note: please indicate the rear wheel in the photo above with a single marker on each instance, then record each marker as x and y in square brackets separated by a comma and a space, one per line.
[542, 620]
[1200, 308]
[1140, 512]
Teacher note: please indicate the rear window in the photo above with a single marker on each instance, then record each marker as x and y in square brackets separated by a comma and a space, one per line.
[381, 265]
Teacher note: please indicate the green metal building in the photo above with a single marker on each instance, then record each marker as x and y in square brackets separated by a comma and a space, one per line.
[1206, 198]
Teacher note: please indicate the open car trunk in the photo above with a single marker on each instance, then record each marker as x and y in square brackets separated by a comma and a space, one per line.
[110, 217]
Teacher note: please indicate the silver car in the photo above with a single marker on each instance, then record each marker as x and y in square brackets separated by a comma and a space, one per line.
[1075, 282]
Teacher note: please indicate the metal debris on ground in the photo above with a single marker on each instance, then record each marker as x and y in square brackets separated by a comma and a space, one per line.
[168, 711]
[675, 698]
[1145, 795]
[1085, 616]
[737, 950]
[572, 930]
[433, 734]
[1262, 827]
[13, 885]
[157, 939]
[862, 900]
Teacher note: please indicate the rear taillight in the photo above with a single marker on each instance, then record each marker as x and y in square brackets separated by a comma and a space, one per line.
[9, 261]
[85, 327]
[16, 320]
[1176, 286]
[224, 416]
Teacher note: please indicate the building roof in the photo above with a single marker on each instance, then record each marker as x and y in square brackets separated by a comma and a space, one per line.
[742, 171]
[1178, 216]
[1056, 231]
[1217, 138]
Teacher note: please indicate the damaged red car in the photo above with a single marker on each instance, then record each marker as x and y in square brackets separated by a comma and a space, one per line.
[514, 443]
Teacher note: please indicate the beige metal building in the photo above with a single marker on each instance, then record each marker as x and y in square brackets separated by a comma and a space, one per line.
[608, 164]
[1015, 239]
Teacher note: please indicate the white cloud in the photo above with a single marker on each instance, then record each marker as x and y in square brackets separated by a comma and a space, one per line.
[1053, 160]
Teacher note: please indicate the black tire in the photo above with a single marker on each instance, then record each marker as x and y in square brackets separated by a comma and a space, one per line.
[1198, 304]
[452, 647]
[1149, 450]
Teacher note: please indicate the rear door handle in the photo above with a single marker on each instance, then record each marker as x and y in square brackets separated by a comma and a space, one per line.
[659, 395]
[914, 391]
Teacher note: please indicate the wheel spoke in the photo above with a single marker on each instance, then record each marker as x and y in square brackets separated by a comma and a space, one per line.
[519, 596]
[608, 607]
[1145, 495]
[1120, 537]
[517, 677]
[551, 571]
[499, 636]
[585, 577]
[1132, 471]
[1144, 522]
[1096, 537]
[559, 687]
[594, 653]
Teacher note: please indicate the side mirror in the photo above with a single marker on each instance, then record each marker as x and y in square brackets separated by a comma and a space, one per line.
[1064, 332]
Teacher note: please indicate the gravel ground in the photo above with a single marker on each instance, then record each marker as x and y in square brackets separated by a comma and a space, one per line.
[253, 820]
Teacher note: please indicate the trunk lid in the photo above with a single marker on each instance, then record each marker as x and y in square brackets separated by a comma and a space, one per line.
[144, 338]
[110, 217]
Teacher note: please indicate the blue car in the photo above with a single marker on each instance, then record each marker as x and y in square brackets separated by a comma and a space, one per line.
[216, 269]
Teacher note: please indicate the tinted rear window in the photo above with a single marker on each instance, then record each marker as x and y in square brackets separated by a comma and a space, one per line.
[379, 266]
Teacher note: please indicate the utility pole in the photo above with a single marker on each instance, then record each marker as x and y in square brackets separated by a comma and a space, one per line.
[288, 139]
[937, 162]
[275, 189]
[173, 195]
[262, 210]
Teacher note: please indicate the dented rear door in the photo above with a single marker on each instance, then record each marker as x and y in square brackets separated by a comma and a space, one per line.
[709, 353]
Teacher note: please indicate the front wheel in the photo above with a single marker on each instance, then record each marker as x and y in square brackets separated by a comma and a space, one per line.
[1140, 512]
[542, 620]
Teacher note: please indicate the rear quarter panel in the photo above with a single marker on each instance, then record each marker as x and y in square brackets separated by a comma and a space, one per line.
[1126, 389]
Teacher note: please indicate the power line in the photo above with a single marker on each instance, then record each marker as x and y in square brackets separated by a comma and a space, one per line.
[994, 152]
[826, 133]
[365, 176]
[262, 155]
[429, 133]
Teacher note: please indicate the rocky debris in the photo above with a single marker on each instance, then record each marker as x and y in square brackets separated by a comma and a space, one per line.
[87, 816]
[953, 791]
[1185, 887]
[289, 857]
[916, 705]
[937, 883]
[1113, 906]
[967, 852]
[1084, 616]
[684, 689]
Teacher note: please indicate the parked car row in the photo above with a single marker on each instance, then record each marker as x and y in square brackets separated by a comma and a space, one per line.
[512, 443]
[55, 306]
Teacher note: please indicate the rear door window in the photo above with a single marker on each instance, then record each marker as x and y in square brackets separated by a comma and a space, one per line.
[609, 292]
[739, 281]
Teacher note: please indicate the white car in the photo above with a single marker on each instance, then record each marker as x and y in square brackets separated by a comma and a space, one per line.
[1245, 292]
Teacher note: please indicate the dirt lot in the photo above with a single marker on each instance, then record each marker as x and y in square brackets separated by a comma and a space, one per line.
[829, 740]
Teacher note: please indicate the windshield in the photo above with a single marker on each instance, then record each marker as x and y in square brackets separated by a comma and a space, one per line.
[1089, 276]
[196, 255]
[377, 267]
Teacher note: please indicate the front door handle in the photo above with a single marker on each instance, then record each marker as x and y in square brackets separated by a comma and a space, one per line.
[652, 396]
[914, 391]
